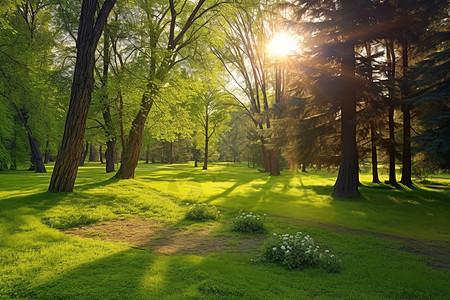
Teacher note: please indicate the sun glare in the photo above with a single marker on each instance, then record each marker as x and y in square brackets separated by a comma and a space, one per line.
[283, 44]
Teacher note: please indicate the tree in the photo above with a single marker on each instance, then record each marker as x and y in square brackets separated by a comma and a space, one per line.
[89, 31]
[243, 51]
[212, 115]
[432, 90]
[176, 26]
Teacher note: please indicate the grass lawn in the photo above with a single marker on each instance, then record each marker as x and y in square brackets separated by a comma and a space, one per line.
[394, 243]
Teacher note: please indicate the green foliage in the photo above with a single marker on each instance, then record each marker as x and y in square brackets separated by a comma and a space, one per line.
[248, 223]
[299, 251]
[431, 101]
[202, 212]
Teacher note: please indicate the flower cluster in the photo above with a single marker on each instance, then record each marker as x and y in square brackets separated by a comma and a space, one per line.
[249, 222]
[202, 212]
[295, 251]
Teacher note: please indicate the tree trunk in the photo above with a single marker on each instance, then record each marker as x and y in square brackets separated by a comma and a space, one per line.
[101, 154]
[133, 144]
[274, 163]
[37, 163]
[303, 168]
[266, 158]
[91, 153]
[170, 152]
[36, 155]
[46, 153]
[110, 155]
[205, 159]
[374, 155]
[391, 146]
[89, 32]
[83, 155]
[391, 61]
[406, 168]
[347, 180]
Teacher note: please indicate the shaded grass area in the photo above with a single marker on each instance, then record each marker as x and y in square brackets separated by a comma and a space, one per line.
[40, 262]
[420, 212]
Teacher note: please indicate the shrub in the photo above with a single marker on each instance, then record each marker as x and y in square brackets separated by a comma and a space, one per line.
[295, 251]
[201, 212]
[248, 223]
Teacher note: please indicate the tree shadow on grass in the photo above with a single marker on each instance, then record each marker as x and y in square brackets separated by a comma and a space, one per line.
[138, 274]
[39, 201]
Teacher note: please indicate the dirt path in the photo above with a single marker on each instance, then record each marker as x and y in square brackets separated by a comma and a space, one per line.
[159, 238]
[438, 251]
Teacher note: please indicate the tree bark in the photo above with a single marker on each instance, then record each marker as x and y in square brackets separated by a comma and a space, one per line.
[83, 155]
[91, 153]
[406, 167]
[303, 168]
[101, 154]
[374, 155]
[37, 163]
[89, 32]
[133, 144]
[147, 155]
[274, 163]
[390, 53]
[47, 152]
[347, 180]
[110, 155]
[205, 159]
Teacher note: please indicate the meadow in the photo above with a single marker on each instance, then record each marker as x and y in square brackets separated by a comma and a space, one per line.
[117, 239]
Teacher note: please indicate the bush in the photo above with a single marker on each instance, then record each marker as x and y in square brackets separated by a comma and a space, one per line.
[297, 251]
[200, 212]
[248, 223]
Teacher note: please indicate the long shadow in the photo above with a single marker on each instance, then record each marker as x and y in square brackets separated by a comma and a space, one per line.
[40, 201]
[114, 277]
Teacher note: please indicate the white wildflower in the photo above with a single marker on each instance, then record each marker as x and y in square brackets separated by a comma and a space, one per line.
[274, 248]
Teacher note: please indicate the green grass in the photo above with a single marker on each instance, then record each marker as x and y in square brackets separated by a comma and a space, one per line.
[37, 261]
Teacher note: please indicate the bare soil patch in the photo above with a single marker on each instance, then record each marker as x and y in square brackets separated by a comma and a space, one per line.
[159, 238]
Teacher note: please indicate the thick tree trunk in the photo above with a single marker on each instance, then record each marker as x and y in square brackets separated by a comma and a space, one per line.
[374, 155]
[133, 144]
[406, 168]
[347, 180]
[89, 32]
[110, 155]
[274, 163]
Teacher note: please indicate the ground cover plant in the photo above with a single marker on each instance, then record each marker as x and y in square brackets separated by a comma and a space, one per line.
[39, 259]
[202, 212]
[248, 222]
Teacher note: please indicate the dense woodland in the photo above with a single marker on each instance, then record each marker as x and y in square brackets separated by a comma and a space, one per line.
[177, 81]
